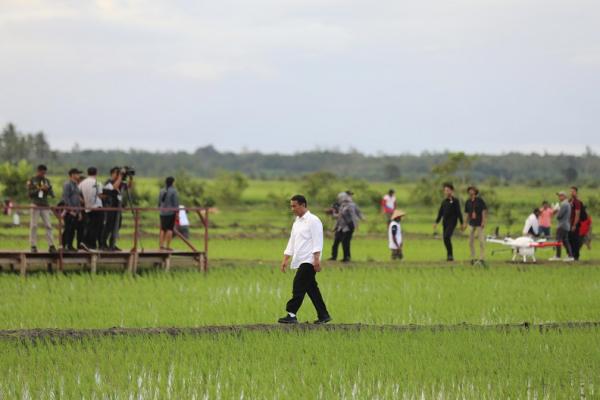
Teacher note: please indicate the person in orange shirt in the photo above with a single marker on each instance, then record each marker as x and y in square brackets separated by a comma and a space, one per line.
[545, 218]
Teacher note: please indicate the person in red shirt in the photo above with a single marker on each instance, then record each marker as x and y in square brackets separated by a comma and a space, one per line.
[545, 219]
[574, 237]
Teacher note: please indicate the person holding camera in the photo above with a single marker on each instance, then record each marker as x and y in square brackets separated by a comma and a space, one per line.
[121, 179]
[168, 202]
[40, 189]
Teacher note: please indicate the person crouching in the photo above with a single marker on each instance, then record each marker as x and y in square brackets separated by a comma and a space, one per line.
[395, 234]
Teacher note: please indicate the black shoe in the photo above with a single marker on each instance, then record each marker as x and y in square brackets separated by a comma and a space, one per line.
[288, 319]
[52, 249]
[332, 259]
[473, 262]
[346, 260]
[84, 247]
[114, 248]
[33, 249]
[450, 258]
[69, 250]
[323, 320]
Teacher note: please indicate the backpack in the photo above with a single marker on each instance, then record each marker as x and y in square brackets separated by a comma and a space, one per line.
[583, 215]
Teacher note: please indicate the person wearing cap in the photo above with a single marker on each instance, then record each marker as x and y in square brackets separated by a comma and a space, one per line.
[388, 204]
[40, 188]
[395, 242]
[347, 217]
[71, 197]
[563, 217]
[476, 217]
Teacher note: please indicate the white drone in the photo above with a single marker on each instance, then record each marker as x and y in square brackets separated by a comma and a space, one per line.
[523, 246]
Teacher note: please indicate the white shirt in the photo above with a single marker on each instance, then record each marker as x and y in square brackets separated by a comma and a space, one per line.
[91, 190]
[390, 202]
[391, 235]
[305, 240]
[531, 222]
[183, 218]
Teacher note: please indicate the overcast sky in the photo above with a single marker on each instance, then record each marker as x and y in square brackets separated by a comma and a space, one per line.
[389, 76]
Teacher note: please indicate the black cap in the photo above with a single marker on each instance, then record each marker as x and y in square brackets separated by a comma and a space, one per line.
[349, 192]
[74, 171]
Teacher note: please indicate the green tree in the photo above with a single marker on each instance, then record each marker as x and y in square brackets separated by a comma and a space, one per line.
[13, 178]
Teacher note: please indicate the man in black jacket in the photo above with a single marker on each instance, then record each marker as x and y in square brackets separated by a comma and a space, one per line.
[449, 213]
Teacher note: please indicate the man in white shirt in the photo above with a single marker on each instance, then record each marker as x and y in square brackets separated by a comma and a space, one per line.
[304, 248]
[91, 191]
[532, 224]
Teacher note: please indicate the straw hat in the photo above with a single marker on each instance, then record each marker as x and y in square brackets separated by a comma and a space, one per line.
[398, 213]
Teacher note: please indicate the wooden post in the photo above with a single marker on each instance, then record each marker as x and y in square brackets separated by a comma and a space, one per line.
[60, 242]
[23, 264]
[205, 266]
[133, 259]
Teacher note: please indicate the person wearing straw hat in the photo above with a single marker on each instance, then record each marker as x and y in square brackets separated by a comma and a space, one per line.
[395, 234]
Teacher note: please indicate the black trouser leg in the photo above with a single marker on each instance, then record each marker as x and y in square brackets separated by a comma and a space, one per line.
[95, 220]
[447, 233]
[337, 239]
[346, 239]
[575, 242]
[109, 228]
[80, 231]
[69, 232]
[305, 282]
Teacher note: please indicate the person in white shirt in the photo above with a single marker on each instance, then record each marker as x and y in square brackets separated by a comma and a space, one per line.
[183, 223]
[532, 224]
[91, 191]
[304, 249]
[395, 235]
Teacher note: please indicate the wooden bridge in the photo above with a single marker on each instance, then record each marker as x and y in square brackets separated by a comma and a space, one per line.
[129, 260]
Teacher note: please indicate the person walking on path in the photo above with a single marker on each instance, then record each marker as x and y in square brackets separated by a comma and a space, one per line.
[168, 201]
[304, 248]
[71, 197]
[576, 212]
[450, 214]
[388, 205]
[40, 188]
[476, 217]
[563, 217]
[395, 242]
[347, 217]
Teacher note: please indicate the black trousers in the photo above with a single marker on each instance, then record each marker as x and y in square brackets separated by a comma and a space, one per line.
[344, 238]
[563, 236]
[305, 283]
[80, 231]
[94, 223]
[112, 224]
[575, 241]
[447, 234]
[70, 228]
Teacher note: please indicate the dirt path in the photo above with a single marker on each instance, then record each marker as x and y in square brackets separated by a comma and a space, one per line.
[49, 333]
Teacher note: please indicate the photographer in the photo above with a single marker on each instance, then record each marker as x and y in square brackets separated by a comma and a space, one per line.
[39, 189]
[121, 180]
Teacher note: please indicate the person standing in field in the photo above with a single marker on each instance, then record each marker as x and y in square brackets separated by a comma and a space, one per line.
[476, 217]
[576, 218]
[450, 214]
[347, 216]
[545, 219]
[304, 248]
[395, 242]
[168, 202]
[563, 217]
[388, 205]
[40, 188]
[71, 197]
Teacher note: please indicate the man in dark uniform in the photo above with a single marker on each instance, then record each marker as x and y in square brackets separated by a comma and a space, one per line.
[450, 214]
[476, 216]
[71, 197]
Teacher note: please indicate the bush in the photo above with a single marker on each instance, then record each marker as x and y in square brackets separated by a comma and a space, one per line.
[227, 188]
[14, 178]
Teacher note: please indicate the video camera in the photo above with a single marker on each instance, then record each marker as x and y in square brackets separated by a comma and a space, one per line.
[127, 171]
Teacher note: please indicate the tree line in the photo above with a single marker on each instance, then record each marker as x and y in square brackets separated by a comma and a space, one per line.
[207, 162]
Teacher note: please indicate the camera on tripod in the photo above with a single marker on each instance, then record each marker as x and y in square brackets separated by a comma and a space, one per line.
[127, 171]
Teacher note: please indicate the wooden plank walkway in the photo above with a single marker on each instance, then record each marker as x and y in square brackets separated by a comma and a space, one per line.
[92, 259]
